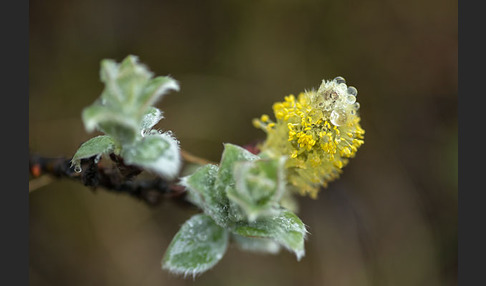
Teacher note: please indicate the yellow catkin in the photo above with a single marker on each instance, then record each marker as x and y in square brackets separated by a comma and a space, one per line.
[318, 131]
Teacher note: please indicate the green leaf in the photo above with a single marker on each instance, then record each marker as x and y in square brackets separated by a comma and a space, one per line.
[231, 155]
[197, 247]
[256, 244]
[118, 125]
[154, 90]
[259, 185]
[151, 117]
[243, 187]
[285, 228]
[94, 147]
[156, 152]
[124, 82]
[112, 94]
[204, 194]
[234, 211]
[200, 184]
[130, 88]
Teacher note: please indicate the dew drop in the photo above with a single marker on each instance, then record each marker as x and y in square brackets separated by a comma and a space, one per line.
[77, 169]
[341, 88]
[356, 105]
[339, 79]
[351, 99]
[352, 90]
[338, 117]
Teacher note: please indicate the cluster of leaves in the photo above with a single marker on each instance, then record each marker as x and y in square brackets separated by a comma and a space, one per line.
[124, 113]
[241, 198]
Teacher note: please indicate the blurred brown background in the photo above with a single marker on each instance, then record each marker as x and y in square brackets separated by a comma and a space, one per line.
[391, 219]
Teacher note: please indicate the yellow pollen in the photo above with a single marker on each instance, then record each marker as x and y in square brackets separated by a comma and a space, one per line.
[317, 149]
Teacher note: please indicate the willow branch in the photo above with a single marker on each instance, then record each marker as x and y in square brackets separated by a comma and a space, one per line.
[119, 178]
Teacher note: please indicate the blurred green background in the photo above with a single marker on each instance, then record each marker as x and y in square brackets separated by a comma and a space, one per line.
[391, 219]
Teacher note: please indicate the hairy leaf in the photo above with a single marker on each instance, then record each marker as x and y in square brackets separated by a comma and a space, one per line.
[231, 155]
[124, 109]
[119, 126]
[155, 89]
[124, 82]
[156, 152]
[197, 247]
[94, 147]
[151, 117]
[285, 228]
[203, 193]
[200, 184]
[259, 186]
[130, 88]
[256, 244]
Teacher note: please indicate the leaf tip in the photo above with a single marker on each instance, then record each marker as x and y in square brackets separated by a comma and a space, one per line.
[300, 254]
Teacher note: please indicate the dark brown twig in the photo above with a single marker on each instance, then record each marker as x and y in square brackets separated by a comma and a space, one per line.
[119, 178]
